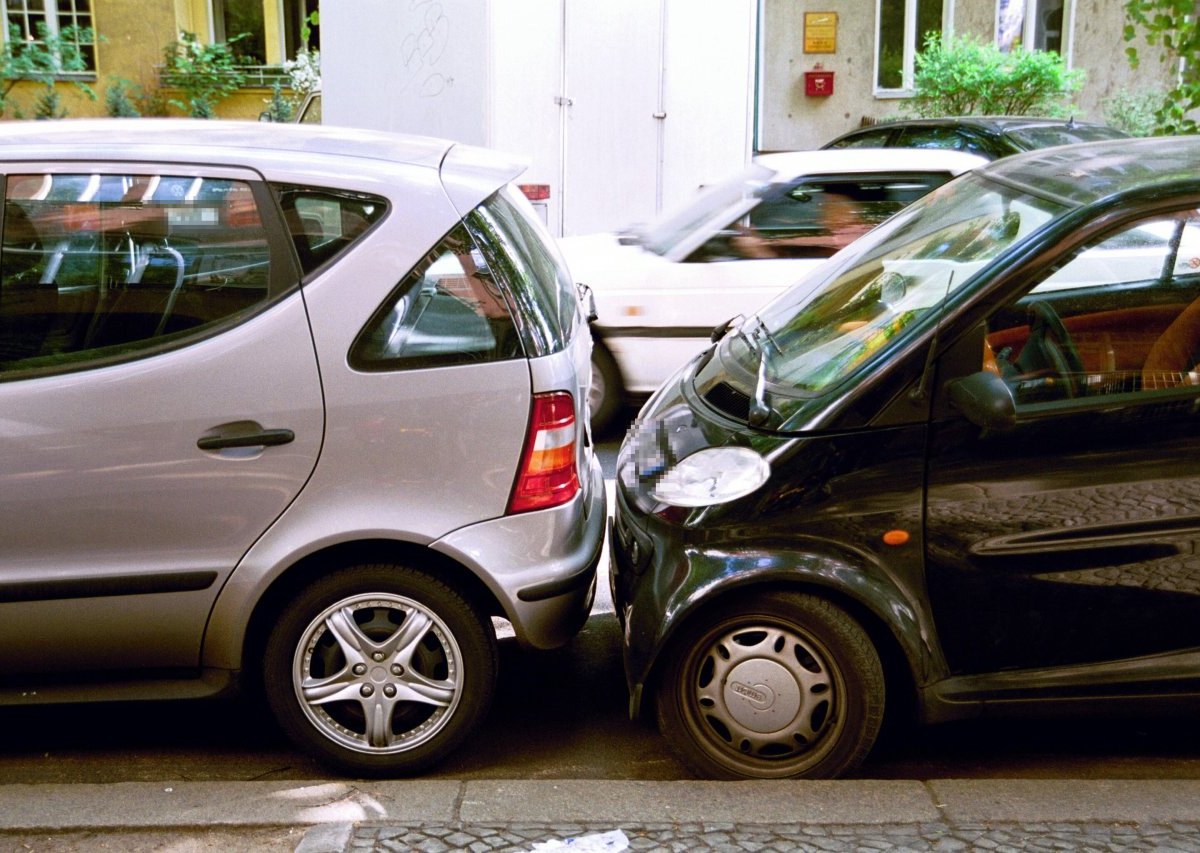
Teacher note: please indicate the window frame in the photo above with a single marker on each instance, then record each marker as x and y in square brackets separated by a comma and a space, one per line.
[51, 15]
[1029, 26]
[911, 48]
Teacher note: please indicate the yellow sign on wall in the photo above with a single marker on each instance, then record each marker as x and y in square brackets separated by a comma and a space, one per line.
[820, 32]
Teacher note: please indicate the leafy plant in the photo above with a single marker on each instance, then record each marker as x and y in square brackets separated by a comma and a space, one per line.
[1175, 26]
[962, 75]
[279, 106]
[118, 100]
[1134, 112]
[42, 59]
[205, 73]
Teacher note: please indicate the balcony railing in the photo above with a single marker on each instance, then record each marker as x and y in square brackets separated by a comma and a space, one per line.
[253, 77]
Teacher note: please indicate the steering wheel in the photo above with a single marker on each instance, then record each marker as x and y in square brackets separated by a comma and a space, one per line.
[1049, 345]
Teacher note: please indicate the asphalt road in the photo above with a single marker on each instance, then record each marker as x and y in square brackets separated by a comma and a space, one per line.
[558, 715]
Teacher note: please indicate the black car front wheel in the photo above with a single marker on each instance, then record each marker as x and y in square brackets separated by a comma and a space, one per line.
[781, 685]
[380, 670]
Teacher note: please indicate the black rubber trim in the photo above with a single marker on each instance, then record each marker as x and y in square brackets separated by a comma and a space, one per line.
[652, 331]
[562, 586]
[106, 587]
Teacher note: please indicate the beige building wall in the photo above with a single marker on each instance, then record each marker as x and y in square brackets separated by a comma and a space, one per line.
[790, 120]
[133, 35]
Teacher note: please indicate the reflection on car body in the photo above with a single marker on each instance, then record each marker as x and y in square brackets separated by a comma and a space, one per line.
[959, 468]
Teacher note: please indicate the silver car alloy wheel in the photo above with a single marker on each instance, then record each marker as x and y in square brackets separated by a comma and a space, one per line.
[378, 673]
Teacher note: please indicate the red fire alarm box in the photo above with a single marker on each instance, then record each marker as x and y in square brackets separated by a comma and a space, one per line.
[818, 83]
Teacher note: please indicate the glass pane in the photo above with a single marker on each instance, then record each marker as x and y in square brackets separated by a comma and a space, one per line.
[929, 20]
[1119, 316]
[447, 311]
[245, 30]
[890, 44]
[324, 224]
[94, 267]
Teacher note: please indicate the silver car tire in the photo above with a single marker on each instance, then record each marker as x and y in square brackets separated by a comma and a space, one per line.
[775, 686]
[380, 670]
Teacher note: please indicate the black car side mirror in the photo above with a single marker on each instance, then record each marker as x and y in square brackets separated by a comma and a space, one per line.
[985, 400]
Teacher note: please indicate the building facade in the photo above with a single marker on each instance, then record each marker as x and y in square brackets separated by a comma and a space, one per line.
[864, 51]
[129, 37]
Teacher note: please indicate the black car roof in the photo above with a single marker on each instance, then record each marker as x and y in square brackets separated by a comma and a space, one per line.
[993, 124]
[1089, 172]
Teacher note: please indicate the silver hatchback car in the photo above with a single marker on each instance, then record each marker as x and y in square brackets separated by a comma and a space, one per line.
[292, 406]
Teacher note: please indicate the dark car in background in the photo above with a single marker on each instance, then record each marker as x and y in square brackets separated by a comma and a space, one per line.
[960, 474]
[992, 137]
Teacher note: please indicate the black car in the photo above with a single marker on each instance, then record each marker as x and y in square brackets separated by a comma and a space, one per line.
[987, 136]
[962, 474]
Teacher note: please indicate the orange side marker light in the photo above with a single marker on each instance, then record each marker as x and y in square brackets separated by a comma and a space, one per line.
[896, 537]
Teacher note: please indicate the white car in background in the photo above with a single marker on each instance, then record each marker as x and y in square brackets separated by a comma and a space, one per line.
[661, 288]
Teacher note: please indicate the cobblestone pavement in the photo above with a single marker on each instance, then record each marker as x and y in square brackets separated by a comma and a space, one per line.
[939, 837]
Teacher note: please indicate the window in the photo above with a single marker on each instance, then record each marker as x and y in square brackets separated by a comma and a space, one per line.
[94, 268]
[447, 311]
[1121, 316]
[323, 223]
[70, 21]
[1032, 25]
[818, 218]
[243, 24]
[901, 29]
[951, 138]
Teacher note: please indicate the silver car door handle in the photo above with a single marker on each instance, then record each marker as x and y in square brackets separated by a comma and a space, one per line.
[263, 438]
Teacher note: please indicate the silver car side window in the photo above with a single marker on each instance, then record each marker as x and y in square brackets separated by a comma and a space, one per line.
[100, 268]
[448, 310]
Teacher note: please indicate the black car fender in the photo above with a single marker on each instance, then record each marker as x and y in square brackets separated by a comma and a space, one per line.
[711, 574]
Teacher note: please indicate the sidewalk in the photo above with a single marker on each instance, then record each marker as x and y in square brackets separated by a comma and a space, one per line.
[441, 815]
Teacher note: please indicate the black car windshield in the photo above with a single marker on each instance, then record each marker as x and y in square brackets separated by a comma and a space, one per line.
[872, 296]
[712, 209]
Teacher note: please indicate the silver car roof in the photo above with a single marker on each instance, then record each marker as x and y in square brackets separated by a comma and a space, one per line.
[263, 146]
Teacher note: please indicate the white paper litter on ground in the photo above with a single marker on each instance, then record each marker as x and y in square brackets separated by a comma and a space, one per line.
[605, 842]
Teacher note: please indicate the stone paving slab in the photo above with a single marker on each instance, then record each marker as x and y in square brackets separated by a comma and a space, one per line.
[580, 800]
[1041, 800]
[195, 804]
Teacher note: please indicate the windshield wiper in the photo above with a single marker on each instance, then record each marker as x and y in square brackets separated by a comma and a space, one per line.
[754, 333]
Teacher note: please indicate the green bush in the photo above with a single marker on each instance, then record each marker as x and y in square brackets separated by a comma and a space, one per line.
[205, 73]
[118, 102]
[1134, 112]
[960, 75]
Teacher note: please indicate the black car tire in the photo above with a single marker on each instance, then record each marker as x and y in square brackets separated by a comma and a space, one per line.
[779, 685]
[606, 392]
[380, 670]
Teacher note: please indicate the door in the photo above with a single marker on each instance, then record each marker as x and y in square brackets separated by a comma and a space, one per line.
[1073, 536]
[161, 407]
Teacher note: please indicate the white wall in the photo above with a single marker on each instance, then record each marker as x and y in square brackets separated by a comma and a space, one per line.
[488, 72]
[419, 66]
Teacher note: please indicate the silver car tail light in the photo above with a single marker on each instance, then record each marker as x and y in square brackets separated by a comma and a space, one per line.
[548, 475]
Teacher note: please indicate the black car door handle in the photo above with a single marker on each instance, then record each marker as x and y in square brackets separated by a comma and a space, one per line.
[263, 438]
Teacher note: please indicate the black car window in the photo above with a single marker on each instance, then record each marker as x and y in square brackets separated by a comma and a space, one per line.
[324, 223]
[1120, 316]
[864, 139]
[935, 137]
[98, 268]
[816, 218]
